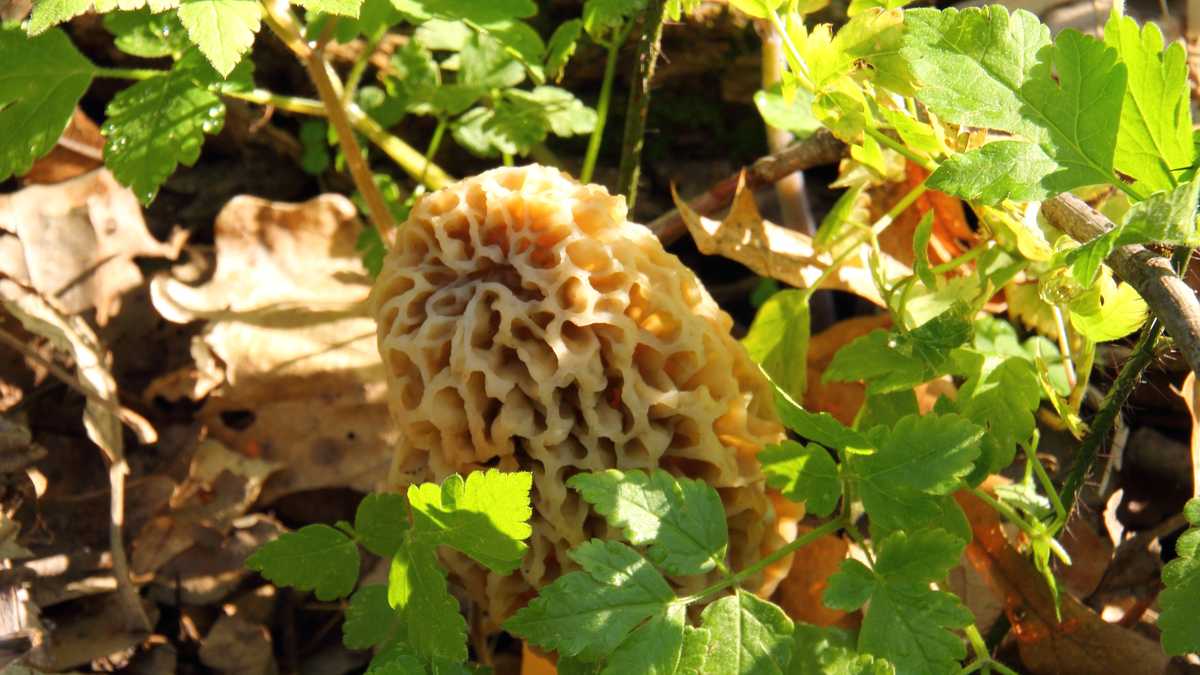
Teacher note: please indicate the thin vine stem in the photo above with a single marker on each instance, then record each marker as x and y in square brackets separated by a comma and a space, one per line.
[775, 556]
[128, 73]
[602, 104]
[639, 102]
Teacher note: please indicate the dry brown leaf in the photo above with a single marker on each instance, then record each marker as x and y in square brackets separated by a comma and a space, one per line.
[303, 384]
[800, 592]
[88, 633]
[779, 252]
[79, 150]
[74, 242]
[215, 565]
[1090, 554]
[840, 399]
[534, 662]
[1190, 396]
[950, 229]
[235, 645]
[1082, 642]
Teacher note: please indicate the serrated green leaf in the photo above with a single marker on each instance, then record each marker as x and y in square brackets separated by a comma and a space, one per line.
[820, 427]
[831, 651]
[794, 115]
[381, 522]
[778, 340]
[589, 613]
[1154, 139]
[927, 453]
[1120, 311]
[45, 76]
[681, 520]
[561, 47]
[886, 409]
[223, 29]
[981, 67]
[47, 13]
[370, 620]
[849, 209]
[873, 357]
[158, 124]
[417, 589]
[396, 659]
[564, 114]
[1001, 395]
[803, 473]
[486, 516]
[602, 17]
[750, 636]
[695, 651]
[654, 648]
[314, 558]
[907, 623]
[1178, 620]
[147, 35]
[347, 8]
[1163, 218]
[997, 171]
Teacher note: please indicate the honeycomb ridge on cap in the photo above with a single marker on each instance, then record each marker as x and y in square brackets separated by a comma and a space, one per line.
[526, 324]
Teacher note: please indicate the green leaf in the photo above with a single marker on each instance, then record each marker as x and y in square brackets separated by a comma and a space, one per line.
[682, 521]
[750, 636]
[907, 623]
[415, 78]
[793, 115]
[981, 67]
[47, 13]
[561, 47]
[694, 655]
[486, 516]
[654, 648]
[1154, 139]
[483, 13]
[45, 76]
[1119, 312]
[396, 659]
[1179, 621]
[778, 340]
[315, 557]
[1000, 394]
[222, 29]
[417, 589]
[831, 651]
[487, 65]
[370, 620]
[158, 124]
[759, 9]
[381, 522]
[803, 473]
[314, 135]
[347, 8]
[820, 427]
[602, 17]
[564, 114]
[927, 453]
[147, 35]
[997, 171]
[921, 250]
[591, 612]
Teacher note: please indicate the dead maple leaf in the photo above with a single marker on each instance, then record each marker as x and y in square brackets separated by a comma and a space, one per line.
[1082, 642]
[287, 329]
[74, 242]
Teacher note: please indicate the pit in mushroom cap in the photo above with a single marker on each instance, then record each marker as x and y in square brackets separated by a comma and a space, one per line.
[526, 324]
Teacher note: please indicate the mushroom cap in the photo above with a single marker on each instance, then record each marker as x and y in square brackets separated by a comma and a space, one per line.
[525, 324]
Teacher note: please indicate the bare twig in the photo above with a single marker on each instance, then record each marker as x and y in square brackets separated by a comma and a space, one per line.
[816, 150]
[1169, 297]
[639, 101]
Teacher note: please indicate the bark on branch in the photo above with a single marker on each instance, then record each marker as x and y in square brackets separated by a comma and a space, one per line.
[1170, 299]
[816, 150]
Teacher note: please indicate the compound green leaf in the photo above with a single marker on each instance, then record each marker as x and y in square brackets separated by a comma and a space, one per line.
[147, 35]
[907, 623]
[682, 521]
[997, 171]
[803, 473]
[927, 453]
[486, 64]
[750, 636]
[44, 78]
[47, 13]
[778, 340]
[603, 17]
[477, 11]
[590, 613]
[222, 29]
[831, 651]
[381, 521]
[486, 516]
[1154, 141]
[417, 589]
[314, 558]
[1001, 395]
[794, 115]
[370, 620]
[561, 47]
[158, 124]
[565, 115]
[1179, 621]
[875, 359]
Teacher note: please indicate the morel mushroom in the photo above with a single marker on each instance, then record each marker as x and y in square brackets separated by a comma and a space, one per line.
[525, 324]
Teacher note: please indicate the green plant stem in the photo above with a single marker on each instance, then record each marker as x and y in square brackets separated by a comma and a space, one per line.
[1004, 510]
[610, 74]
[885, 140]
[777, 555]
[1114, 400]
[128, 73]
[906, 201]
[354, 78]
[434, 144]
[293, 104]
[639, 102]
[961, 260]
